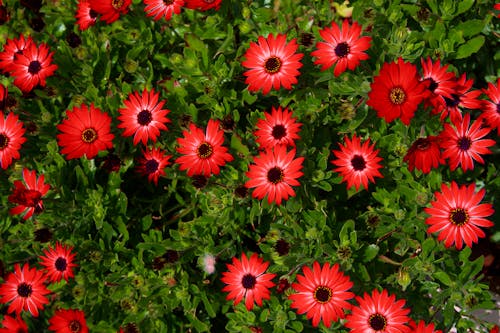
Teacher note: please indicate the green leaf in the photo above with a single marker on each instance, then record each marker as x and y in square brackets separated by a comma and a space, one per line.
[371, 252]
[471, 46]
[464, 6]
[443, 277]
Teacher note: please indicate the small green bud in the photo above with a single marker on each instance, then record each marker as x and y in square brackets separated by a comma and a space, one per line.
[130, 66]
[245, 12]
[404, 278]
[245, 27]
[421, 199]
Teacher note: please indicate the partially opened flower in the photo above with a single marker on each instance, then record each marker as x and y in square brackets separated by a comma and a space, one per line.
[378, 312]
[278, 128]
[322, 293]
[490, 109]
[397, 91]
[272, 63]
[85, 16]
[203, 152]
[273, 173]
[143, 116]
[424, 154]
[247, 279]
[153, 163]
[357, 163]
[85, 132]
[11, 138]
[13, 325]
[12, 48]
[457, 215]
[343, 47]
[423, 328]
[26, 290]
[28, 194]
[68, 321]
[110, 10]
[161, 8]
[203, 5]
[58, 262]
[463, 145]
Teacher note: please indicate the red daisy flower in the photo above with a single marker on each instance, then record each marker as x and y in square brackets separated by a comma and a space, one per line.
[441, 83]
[143, 116]
[357, 163]
[59, 262]
[457, 215]
[11, 138]
[397, 91]
[424, 154]
[322, 293]
[32, 67]
[110, 9]
[25, 289]
[274, 173]
[28, 197]
[68, 321]
[272, 63]
[343, 48]
[85, 132]
[11, 324]
[162, 8]
[378, 312]
[422, 328]
[463, 145]
[10, 49]
[247, 279]
[460, 98]
[203, 152]
[153, 163]
[203, 5]
[85, 16]
[491, 109]
[279, 128]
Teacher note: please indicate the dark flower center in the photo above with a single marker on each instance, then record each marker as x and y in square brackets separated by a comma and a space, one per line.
[342, 50]
[24, 290]
[4, 141]
[89, 135]
[144, 117]
[168, 2]
[452, 102]
[358, 163]
[422, 144]
[459, 217]
[275, 175]
[322, 294]
[248, 281]
[151, 166]
[498, 107]
[75, 326]
[21, 330]
[24, 197]
[397, 96]
[272, 65]
[377, 322]
[464, 143]
[34, 67]
[93, 14]
[433, 84]
[61, 264]
[205, 150]
[279, 131]
[117, 4]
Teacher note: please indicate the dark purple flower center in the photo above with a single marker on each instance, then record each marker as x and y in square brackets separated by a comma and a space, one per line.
[272, 65]
[358, 163]
[168, 2]
[151, 166]
[397, 96]
[75, 326]
[275, 175]
[279, 131]
[24, 290]
[93, 14]
[377, 322]
[459, 217]
[205, 150]
[61, 264]
[422, 143]
[433, 84]
[322, 294]
[34, 67]
[248, 281]
[464, 143]
[144, 117]
[4, 141]
[89, 135]
[498, 107]
[452, 102]
[342, 50]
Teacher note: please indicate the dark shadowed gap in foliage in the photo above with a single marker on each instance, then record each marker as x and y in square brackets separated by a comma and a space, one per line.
[491, 267]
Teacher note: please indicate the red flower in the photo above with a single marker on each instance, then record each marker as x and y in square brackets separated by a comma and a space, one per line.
[203, 152]
[322, 293]
[343, 48]
[378, 312]
[279, 128]
[85, 132]
[272, 63]
[26, 289]
[457, 215]
[397, 91]
[162, 8]
[110, 9]
[85, 16]
[10, 49]
[441, 83]
[203, 5]
[143, 116]
[491, 109]
[11, 138]
[422, 328]
[32, 67]
[274, 173]
[357, 163]
[247, 279]
[424, 154]
[28, 197]
[59, 263]
[463, 145]
[153, 163]
[68, 321]
[11, 325]
[461, 97]
[495, 328]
